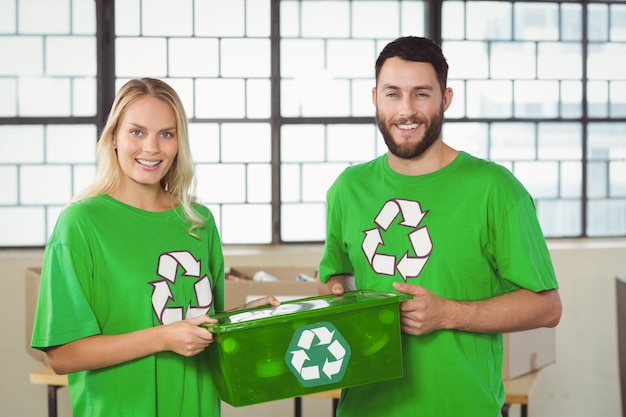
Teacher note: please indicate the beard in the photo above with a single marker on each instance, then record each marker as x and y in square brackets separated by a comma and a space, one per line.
[407, 150]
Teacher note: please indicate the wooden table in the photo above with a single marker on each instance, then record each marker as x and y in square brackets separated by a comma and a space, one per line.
[518, 391]
[45, 376]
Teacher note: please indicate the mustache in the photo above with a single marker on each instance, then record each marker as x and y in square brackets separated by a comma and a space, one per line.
[410, 120]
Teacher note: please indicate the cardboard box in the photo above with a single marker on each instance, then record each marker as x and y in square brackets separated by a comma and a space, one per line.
[288, 287]
[306, 346]
[32, 289]
[528, 351]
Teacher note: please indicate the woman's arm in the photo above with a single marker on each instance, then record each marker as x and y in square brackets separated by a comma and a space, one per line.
[184, 337]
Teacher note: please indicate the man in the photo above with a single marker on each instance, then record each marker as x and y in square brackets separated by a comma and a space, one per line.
[456, 233]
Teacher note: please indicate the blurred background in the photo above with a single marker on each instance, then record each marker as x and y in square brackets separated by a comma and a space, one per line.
[278, 95]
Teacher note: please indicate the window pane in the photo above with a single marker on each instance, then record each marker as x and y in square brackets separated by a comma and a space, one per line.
[179, 18]
[559, 60]
[317, 179]
[468, 137]
[259, 187]
[571, 177]
[245, 58]
[513, 141]
[43, 17]
[513, 60]
[303, 222]
[220, 98]
[559, 218]
[303, 143]
[538, 99]
[560, 141]
[246, 142]
[539, 178]
[488, 20]
[22, 226]
[489, 99]
[387, 19]
[606, 217]
[221, 183]
[204, 139]
[604, 61]
[246, 223]
[536, 21]
[326, 19]
[351, 143]
[618, 23]
[219, 18]
[185, 61]
[141, 57]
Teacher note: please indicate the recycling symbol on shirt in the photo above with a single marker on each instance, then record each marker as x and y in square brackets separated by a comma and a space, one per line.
[418, 237]
[318, 354]
[161, 294]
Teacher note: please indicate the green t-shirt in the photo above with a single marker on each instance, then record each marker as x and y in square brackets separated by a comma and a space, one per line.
[110, 268]
[466, 232]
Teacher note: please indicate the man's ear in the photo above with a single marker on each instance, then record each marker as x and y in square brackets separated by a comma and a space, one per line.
[374, 96]
[447, 98]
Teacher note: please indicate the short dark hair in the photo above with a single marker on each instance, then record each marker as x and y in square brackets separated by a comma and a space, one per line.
[416, 49]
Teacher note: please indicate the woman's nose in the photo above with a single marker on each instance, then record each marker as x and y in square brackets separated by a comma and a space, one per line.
[151, 144]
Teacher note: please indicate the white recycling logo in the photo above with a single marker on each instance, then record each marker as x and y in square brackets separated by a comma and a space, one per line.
[161, 294]
[318, 354]
[419, 239]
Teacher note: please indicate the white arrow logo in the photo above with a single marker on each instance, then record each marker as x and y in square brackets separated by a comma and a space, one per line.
[318, 350]
[411, 216]
[161, 294]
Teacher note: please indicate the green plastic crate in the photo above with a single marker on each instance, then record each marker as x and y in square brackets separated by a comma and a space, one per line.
[305, 346]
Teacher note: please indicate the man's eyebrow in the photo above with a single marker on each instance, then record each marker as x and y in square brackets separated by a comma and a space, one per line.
[388, 86]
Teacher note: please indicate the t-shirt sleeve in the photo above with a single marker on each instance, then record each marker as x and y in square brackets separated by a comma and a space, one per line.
[63, 313]
[521, 251]
[216, 264]
[335, 258]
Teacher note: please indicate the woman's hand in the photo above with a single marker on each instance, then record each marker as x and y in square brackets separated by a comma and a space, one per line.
[188, 337]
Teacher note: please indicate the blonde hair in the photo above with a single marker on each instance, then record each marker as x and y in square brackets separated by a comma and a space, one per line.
[178, 181]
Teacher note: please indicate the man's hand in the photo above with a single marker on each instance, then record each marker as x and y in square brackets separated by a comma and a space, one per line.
[265, 301]
[424, 313]
[337, 285]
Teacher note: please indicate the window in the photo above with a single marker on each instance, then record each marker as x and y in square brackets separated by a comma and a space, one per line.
[279, 99]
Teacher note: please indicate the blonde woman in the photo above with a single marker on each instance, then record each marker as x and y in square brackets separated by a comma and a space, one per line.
[133, 268]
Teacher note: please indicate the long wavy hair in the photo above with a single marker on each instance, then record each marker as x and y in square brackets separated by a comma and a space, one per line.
[179, 180]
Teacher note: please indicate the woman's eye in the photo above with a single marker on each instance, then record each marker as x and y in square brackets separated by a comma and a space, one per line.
[135, 132]
[166, 135]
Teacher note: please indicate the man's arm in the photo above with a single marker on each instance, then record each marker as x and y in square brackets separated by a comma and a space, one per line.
[515, 311]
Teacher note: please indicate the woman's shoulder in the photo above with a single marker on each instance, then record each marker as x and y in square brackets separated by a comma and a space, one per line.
[84, 206]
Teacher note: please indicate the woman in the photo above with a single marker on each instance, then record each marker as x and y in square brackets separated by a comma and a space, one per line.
[133, 268]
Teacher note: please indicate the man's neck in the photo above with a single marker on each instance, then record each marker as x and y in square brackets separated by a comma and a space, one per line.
[435, 158]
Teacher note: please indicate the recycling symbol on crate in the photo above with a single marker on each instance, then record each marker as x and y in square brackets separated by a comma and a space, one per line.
[318, 354]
